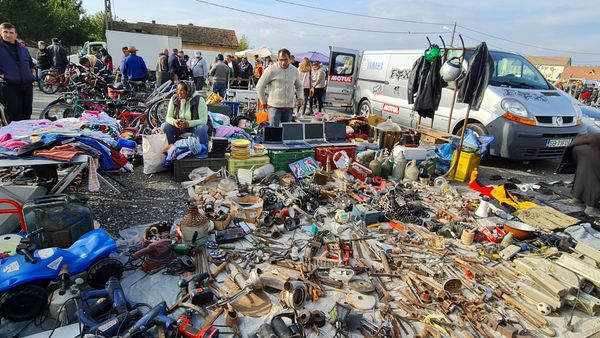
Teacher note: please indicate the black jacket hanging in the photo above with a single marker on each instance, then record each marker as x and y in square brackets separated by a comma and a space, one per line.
[425, 86]
[473, 86]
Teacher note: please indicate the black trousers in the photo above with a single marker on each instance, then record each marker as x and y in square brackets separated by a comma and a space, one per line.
[319, 97]
[18, 101]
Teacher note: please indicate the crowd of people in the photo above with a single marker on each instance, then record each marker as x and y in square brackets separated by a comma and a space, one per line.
[292, 86]
[586, 94]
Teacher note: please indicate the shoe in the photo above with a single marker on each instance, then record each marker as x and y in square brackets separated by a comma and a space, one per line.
[592, 212]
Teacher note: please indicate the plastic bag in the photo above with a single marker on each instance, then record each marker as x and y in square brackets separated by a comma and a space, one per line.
[473, 143]
[152, 152]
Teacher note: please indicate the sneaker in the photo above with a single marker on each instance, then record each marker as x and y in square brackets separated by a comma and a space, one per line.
[592, 211]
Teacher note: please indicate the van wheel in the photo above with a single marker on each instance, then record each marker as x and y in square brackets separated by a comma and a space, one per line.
[364, 109]
[478, 128]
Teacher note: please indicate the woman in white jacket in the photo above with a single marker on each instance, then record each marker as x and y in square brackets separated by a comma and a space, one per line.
[304, 73]
[318, 83]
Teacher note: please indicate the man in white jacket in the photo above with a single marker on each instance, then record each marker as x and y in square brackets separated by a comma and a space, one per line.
[198, 69]
[284, 87]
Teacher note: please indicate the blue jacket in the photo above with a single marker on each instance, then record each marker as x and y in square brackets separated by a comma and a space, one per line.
[16, 72]
[174, 64]
[134, 68]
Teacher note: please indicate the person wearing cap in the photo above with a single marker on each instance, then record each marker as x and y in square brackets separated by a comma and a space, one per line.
[134, 68]
[198, 69]
[220, 76]
[187, 113]
[285, 89]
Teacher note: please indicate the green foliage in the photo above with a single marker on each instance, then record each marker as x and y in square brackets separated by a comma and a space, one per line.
[44, 19]
[244, 43]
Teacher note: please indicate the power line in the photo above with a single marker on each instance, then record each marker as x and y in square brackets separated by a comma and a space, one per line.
[362, 15]
[317, 24]
[526, 44]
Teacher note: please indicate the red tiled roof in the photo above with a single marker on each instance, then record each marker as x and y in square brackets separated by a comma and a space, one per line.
[581, 72]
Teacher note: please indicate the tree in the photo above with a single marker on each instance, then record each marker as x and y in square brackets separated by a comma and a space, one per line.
[44, 19]
[244, 43]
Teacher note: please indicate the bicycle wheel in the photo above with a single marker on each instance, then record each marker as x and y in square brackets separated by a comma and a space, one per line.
[57, 111]
[49, 83]
[158, 113]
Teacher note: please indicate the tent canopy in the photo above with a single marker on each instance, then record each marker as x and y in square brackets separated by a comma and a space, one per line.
[261, 52]
[313, 56]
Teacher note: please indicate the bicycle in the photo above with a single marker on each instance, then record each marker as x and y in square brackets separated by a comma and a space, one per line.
[51, 81]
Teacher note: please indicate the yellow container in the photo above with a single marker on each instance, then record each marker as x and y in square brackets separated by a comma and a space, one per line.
[234, 164]
[466, 164]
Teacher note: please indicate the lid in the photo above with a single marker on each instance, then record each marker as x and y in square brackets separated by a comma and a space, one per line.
[389, 125]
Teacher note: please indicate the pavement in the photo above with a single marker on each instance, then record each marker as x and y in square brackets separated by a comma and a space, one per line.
[40, 101]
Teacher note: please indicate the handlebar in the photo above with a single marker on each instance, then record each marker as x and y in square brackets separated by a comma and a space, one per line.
[28, 256]
[35, 233]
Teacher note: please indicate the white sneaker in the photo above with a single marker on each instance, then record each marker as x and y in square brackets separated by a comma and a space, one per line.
[592, 211]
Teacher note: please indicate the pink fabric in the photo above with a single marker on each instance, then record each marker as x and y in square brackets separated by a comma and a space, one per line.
[5, 137]
[13, 145]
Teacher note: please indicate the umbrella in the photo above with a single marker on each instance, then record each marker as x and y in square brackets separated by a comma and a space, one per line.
[313, 56]
[261, 52]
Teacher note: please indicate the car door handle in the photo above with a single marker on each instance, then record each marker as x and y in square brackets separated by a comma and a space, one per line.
[345, 91]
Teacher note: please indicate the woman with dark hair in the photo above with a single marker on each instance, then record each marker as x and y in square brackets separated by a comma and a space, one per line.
[187, 113]
[582, 157]
[107, 60]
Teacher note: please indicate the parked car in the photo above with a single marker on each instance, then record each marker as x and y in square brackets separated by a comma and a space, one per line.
[528, 118]
[591, 118]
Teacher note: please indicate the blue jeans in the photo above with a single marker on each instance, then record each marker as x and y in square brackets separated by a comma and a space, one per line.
[220, 88]
[278, 115]
[201, 132]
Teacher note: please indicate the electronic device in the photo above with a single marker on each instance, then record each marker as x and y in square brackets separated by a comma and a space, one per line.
[273, 138]
[293, 135]
[335, 134]
[314, 134]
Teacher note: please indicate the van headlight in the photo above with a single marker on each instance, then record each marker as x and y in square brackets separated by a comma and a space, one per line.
[516, 111]
[514, 107]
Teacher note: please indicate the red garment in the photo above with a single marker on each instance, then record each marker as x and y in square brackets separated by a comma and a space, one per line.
[586, 94]
[66, 152]
[486, 191]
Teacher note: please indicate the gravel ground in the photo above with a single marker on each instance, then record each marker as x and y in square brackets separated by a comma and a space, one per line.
[144, 199]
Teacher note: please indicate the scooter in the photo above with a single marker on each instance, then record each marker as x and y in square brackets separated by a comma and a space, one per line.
[23, 277]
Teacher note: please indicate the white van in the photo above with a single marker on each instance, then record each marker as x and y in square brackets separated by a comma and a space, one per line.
[528, 117]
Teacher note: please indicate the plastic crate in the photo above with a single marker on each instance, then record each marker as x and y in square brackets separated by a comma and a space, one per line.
[466, 164]
[281, 159]
[322, 153]
[233, 106]
[234, 164]
[182, 168]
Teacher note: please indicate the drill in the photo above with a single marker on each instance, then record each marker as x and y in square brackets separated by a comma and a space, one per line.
[156, 316]
[186, 329]
[193, 286]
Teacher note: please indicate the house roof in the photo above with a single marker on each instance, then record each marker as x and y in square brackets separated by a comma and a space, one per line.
[188, 33]
[550, 60]
[581, 72]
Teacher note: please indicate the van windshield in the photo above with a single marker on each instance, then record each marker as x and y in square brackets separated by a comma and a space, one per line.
[512, 70]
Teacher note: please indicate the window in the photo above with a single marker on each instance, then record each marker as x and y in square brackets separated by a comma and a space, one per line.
[512, 70]
[343, 64]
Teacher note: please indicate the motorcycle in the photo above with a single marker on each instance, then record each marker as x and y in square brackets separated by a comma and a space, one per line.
[24, 276]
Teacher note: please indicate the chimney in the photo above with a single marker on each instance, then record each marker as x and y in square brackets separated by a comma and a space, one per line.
[154, 22]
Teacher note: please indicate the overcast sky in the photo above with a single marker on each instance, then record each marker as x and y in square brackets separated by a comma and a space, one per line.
[560, 25]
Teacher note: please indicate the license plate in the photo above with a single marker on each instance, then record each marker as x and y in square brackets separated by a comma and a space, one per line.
[558, 143]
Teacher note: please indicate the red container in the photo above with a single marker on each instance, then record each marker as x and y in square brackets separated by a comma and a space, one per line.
[322, 153]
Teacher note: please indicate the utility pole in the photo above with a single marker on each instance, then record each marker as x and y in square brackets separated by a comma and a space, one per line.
[453, 33]
[107, 13]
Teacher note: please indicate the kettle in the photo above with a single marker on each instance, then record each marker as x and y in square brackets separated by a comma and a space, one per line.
[399, 166]
[411, 172]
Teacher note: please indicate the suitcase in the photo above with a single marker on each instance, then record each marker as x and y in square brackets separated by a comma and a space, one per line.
[63, 220]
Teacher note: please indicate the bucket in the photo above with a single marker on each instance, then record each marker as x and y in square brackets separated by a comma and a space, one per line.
[249, 208]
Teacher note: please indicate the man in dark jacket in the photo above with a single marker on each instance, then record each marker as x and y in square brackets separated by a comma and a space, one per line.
[59, 55]
[17, 69]
[174, 65]
[246, 72]
[44, 58]
[162, 67]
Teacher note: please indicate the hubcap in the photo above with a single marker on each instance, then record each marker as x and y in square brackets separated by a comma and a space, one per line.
[364, 109]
